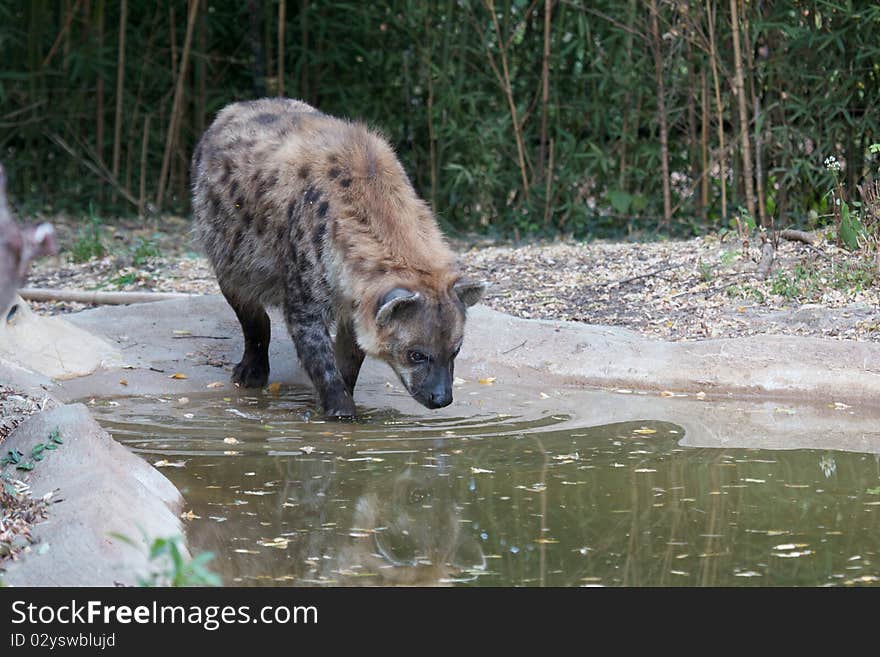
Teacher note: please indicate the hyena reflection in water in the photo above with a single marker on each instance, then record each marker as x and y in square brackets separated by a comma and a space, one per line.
[344, 526]
[316, 215]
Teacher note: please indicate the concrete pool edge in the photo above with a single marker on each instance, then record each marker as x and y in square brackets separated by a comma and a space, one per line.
[767, 367]
[99, 491]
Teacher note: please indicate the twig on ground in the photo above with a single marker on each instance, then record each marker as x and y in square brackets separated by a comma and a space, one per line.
[623, 281]
[796, 236]
[521, 344]
[109, 298]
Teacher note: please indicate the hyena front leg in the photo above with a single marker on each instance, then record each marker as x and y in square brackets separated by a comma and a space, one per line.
[349, 356]
[253, 369]
[307, 327]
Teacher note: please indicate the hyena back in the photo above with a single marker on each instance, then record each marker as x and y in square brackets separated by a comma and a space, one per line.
[315, 214]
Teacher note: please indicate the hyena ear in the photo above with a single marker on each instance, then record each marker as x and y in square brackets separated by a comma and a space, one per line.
[393, 303]
[468, 291]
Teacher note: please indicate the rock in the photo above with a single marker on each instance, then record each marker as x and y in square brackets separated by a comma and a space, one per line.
[52, 346]
[101, 489]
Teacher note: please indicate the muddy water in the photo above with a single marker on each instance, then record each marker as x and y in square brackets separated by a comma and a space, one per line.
[530, 498]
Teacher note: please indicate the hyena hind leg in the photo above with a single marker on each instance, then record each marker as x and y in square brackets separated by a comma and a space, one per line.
[253, 369]
[349, 356]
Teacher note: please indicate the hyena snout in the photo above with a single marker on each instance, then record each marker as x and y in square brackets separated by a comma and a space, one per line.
[437, 392]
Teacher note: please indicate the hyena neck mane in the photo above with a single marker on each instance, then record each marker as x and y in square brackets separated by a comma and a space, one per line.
[387, 236]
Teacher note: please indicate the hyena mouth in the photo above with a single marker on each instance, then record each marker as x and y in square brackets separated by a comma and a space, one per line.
[439, 397]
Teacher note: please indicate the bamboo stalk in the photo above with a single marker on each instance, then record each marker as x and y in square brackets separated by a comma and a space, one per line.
[145, 141]
[739, 91]
[120, 82]
[758, 121]
[176, 103]
[693, 143]
[68, 19]
[96, 167]
[704, 140]
[517, 130]
[304, 44]
[548, 200]
[432, 146]
[713, 56]
[661, 114]
[545, 87]
[201, 75]
[627, 98]
[282, 10]
[99, 91]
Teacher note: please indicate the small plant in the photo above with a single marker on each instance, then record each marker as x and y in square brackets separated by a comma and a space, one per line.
[38, 453]
[125, 279]
[707, 271]
[88, 243]
[746, 292]
[145, 249]
[803, 281]
[850, 230]
[170, 566]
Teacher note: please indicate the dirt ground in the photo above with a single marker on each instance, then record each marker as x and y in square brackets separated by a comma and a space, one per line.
[705, 287]
[18, 510]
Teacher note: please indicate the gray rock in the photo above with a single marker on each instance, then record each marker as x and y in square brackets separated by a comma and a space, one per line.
[100, 489]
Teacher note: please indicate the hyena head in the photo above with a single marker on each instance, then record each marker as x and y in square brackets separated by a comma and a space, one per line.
[419, 334]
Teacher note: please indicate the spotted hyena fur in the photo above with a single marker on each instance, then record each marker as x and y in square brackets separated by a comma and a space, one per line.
[315, 214]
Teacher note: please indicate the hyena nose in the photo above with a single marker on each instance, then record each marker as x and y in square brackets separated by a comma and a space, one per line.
[441, 397]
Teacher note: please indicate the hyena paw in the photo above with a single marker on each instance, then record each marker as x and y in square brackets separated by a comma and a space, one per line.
[339, 407]
[250, 374]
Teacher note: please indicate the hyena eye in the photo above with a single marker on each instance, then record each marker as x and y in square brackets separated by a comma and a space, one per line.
[416, 357]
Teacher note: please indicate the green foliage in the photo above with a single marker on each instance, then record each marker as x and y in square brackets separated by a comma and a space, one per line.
[125, 279]
[430, 76]
[38, 452]
[171, 568]
[88, 243]
[707, 271]
[144, 249]
[851, 228]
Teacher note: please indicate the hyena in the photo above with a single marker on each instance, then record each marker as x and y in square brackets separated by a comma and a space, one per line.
[17, 248]
[316, 215]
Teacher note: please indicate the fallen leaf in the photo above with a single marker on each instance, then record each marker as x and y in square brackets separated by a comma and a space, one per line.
[177, 375]
[274, 387]
[489, 380]
[182, 332]
[667, 393]
[189, 515]
[123, 382]
[645, 431]
[169, 464]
